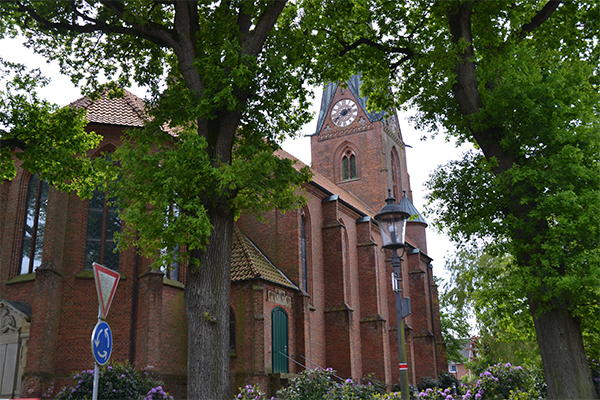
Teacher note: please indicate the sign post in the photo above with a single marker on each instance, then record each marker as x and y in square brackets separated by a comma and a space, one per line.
[106, 285]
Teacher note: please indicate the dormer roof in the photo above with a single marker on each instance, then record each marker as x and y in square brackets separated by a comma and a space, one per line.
[248, 262]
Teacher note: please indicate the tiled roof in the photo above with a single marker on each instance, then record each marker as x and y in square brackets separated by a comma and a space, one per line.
[247, 262]
[125, 111]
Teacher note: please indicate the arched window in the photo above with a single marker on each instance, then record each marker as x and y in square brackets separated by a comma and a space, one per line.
[396, 181]
[171, 269]
[303, 254]
[231, 331]
[103, 223]
[348, 165]
[35, 225]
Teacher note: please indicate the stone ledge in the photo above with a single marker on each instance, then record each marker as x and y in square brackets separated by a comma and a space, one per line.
[21, 279]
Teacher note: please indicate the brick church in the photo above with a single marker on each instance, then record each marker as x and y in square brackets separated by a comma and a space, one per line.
[309, 288]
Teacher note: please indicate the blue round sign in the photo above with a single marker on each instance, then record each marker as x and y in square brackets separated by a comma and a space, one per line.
[101, 342]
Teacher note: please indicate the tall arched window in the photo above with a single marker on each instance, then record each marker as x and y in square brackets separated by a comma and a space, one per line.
[231, 331]
[171, 269]
[397, 183]
[348, 165]
[35, 225]
[103, 223]
[303, 254]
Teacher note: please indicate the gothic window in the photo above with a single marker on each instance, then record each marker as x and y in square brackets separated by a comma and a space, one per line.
[231, 331]
[171, 270]
[303, 254]
[396, 182]
[35, 225]
[103, 223]
[348, 165]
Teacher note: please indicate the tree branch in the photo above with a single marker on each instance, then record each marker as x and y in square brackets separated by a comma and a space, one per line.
[388, 49]
[158, 35]
[540, 17]
[13, 142]
[253, 41]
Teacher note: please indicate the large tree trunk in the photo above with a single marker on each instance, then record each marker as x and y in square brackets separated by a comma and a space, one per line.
[207, 307]
[566, 370]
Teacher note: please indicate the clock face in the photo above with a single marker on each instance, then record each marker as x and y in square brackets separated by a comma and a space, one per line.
[344, 112]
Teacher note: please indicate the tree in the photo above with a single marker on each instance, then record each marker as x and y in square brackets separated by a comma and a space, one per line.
[226, 83]
[40, 135]
[480, 286]
[520, 81]
[454, 323]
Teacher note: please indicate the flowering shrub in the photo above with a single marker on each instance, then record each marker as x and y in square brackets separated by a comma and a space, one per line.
[387, 396]
[250, 392]
[502, 381]
[436, 394]
[116, 381]
[321, 384]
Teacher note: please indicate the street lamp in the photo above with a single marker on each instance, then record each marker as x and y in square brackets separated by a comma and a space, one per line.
[392, 225]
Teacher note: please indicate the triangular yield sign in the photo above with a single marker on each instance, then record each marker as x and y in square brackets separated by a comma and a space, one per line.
[106, 286]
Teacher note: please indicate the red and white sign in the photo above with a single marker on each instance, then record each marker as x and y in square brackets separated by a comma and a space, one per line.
[106, 286]
[402, 366]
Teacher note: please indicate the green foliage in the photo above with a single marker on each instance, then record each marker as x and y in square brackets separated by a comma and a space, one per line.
[454, 322]
[435, 393]
[503, 381]
[116, 381]
[250, 392]
[482, 285]
[322, 384]
[43, 138]
[440, 388]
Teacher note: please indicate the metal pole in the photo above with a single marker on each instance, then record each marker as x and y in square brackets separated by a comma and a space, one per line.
[96, 367]
[96, 375]
[404, 388]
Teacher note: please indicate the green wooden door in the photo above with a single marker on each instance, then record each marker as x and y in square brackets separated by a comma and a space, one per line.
[279, 340]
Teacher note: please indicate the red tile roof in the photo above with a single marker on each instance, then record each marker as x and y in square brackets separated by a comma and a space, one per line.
[247, 262]
[125, 111]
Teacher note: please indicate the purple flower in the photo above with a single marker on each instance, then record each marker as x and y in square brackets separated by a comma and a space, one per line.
[477, 396]
[596, 379]
[507, 365]
[348, 380]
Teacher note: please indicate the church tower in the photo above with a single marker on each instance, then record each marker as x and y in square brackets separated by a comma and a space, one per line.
[360, 151]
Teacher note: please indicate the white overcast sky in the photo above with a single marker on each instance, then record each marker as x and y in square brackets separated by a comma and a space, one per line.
[423, 157]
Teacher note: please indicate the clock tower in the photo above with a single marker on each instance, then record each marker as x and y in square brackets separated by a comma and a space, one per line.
[361, 151]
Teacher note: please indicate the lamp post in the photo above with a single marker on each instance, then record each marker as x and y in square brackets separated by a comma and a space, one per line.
[392, 225]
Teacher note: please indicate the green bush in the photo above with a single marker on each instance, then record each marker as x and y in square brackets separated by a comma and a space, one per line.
[322, 384]
[503, 381]
[428, 382]
[116, 381]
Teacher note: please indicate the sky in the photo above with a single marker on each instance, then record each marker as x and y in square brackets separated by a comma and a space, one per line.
[423, 157]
